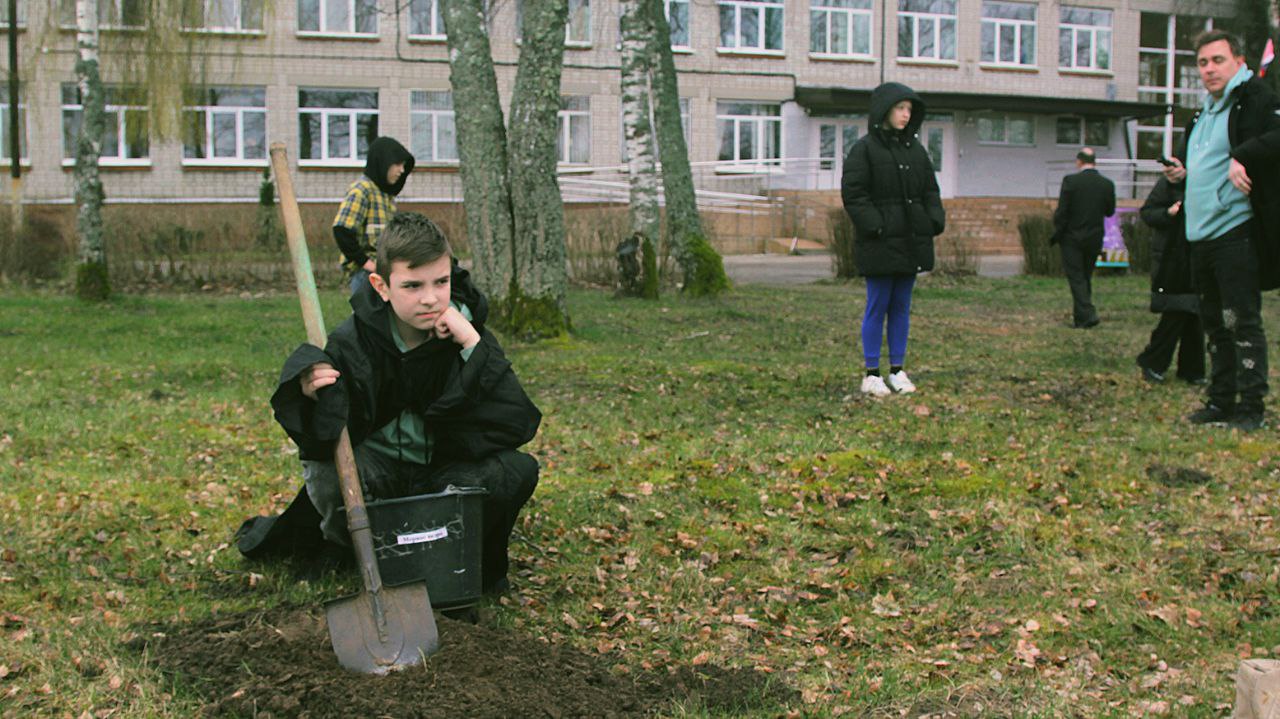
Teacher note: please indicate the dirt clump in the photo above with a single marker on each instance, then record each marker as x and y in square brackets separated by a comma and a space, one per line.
[279, 663]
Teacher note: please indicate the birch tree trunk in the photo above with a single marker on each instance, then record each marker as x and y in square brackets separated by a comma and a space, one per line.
[642, 168]
[700, 264]
[482, 149]
[92, 282]
[536, 303]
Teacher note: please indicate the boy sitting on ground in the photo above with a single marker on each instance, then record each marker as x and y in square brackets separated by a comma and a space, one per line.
[425, 392]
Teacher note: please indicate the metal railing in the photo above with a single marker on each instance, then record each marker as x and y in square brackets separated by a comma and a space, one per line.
[1134, 178]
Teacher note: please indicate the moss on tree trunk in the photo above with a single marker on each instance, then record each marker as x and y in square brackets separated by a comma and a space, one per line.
[92, 279]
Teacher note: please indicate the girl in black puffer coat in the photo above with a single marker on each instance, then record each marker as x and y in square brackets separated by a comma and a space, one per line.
[890, 192]
[1172, 294]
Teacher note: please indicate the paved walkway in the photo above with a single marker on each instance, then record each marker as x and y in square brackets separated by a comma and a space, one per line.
[774, 269]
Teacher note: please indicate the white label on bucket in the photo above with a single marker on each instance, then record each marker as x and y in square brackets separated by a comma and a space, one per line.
[420, 537]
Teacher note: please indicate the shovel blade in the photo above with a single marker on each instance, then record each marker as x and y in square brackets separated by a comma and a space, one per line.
[372, 632]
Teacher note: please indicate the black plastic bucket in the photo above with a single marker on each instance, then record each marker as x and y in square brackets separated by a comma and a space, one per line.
[432, 537]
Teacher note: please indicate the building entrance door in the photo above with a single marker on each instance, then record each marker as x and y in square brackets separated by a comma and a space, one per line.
[939, 136]
[835, 139]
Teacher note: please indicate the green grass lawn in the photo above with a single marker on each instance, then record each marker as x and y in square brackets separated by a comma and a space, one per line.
[1012, 540]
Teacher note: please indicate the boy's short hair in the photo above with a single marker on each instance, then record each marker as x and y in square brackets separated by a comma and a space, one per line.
[1210, 36]
[410, 237]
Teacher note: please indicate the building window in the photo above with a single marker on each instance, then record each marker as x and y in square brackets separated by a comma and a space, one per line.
[112, 14]
[573, 141]
[336, 126]
[339, 17]
[226, 126]
[685, 125]
[1091, 131]
[1084, 39]
[678, 18]
[126, 135]
[1017, 130]
[834, 143]
[225, 15]
[1167, 75]
[1008, 33]
[22, 18]
[432, 134]
[840, 27]
[927, 29]
[425, 20]
[751, 25]
[749, 131]
[4, 123]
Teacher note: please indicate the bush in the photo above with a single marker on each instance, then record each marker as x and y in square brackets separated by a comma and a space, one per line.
[1137, 240]
[955, 256]
[1039, 257]
[842, 238]
[41, 250]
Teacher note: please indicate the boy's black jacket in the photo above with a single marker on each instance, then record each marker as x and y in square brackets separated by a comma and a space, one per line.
[472, 408]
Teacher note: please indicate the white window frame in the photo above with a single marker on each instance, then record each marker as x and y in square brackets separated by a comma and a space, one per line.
[839, 128]
[844, 16]
[1006, 118]
[1001, 25]
[120, 113]
[688, 16]
[110, 13]
[22, 15]
[761, 8]
[582, 6]
[917, 19]
[353, 159]
[24, 151]
[240, 14]
[758, 125]
[239, 112]
[435, 116]
[1169, 92]
[1074, 30]
[567, 119]
[434, 20]
[349, 31]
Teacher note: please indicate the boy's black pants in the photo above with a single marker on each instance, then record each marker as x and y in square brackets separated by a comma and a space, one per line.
[510, 476]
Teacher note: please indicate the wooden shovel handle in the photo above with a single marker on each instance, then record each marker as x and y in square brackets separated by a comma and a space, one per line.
[344, 457]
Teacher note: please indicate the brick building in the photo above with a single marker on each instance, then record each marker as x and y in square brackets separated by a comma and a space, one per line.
[774, 87]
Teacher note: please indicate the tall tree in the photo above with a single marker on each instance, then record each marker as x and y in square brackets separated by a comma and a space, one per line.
[701, 266]
[642, 170]
[536, 302]
[92, 282]
[482, 142]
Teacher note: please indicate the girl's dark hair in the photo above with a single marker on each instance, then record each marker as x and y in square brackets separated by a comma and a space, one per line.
[410, 237]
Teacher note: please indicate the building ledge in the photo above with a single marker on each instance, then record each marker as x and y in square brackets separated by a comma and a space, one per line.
[837, 100]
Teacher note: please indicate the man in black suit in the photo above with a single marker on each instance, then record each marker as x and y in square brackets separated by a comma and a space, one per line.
[1087, 198]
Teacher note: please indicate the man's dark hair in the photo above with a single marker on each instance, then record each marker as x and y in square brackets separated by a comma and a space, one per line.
[413, 238]
[1210, 36]
[1086, 156]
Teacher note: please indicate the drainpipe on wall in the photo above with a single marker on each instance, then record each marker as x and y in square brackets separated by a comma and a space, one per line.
[884, 54]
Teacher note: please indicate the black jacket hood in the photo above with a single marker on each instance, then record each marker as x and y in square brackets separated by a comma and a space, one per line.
[383, 153]
[884, 97]
[373, 311]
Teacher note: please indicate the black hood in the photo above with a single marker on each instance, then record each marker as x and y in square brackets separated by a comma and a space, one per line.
[383, 153]
[884, 97]
[373, 311]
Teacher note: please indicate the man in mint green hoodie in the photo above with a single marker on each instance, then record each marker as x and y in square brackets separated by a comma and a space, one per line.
[1229, 166]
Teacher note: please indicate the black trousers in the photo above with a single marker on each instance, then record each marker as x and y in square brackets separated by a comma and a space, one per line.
[510, 476]
[1179, 331]
[1079, 257]
[1225, 273]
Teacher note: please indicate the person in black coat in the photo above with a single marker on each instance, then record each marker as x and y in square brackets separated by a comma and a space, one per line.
[425, 393]
[890, 192]
[1171, 292]
[1085, 201]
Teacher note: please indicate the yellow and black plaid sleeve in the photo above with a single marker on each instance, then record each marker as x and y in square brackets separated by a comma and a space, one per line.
[354, 210]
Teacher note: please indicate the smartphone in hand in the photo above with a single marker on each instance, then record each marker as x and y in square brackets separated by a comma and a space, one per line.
[1165, 161]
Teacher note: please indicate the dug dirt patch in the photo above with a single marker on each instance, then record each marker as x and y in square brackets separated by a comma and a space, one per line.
[279, 663]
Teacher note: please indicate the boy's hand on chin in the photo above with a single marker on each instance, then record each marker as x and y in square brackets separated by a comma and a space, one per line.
[452, 325]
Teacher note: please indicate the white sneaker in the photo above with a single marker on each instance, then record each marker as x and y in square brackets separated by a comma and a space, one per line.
[873, 384]
[901, 383]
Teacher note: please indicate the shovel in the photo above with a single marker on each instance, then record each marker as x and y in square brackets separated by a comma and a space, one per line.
[381, 627]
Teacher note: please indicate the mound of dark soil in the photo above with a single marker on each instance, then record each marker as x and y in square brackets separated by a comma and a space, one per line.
[279, 663]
